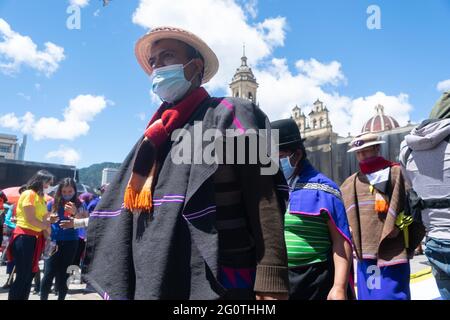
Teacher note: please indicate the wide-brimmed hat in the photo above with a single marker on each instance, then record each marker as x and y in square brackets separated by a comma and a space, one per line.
[144, 46]
[289, 134]
[364, 140]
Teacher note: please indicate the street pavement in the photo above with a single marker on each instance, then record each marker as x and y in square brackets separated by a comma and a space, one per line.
[423, 286]
[76, 291]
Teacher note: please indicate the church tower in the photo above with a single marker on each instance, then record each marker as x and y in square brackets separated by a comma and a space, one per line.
[319, 117]
[244, 83]
[299, 118]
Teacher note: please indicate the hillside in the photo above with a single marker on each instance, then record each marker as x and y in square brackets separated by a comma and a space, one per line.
[92, 175]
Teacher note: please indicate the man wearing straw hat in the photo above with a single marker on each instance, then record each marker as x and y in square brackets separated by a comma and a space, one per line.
[383, 236]
[188, 231]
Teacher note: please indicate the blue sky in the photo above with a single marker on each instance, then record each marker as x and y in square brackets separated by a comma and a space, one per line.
[299, 51]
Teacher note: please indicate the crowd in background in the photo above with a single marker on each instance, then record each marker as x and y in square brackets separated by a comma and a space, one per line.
[46, 223]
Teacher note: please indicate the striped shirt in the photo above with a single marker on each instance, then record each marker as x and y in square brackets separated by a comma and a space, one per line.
[236, 244]
[307, 239]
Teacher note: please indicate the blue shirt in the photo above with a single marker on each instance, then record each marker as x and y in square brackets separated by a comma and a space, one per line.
[314, 193]
[58, 233]
[93, 204]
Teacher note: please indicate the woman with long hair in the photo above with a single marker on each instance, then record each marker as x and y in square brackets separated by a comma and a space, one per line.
[27, 242]
[66, 206]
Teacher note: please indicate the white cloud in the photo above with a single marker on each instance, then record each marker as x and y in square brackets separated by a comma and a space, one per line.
[363, 108]
[23, 95]
[321, 73]
[306, 85]
[251, 7]
[79, 3]
[97, 13]
[68, 156]
[280, 88]
[77, 116]
[17, 50]
[10, 121]
[37, 86]
[444, 85]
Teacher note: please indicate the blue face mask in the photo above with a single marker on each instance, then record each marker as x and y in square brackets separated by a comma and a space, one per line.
[169, 83]
[68, 198]
[288, 169]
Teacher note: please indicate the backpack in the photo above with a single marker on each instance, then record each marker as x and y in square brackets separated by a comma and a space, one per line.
[415, 204]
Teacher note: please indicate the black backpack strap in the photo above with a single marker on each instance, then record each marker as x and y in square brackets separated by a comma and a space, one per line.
[436, 204]
[407, 154]
[447, 139]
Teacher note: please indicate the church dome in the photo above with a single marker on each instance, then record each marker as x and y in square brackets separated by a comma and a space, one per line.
[380, 122]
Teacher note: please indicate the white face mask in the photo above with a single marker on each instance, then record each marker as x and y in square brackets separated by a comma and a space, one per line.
[169, 83]
[288, 169]
[48, 190]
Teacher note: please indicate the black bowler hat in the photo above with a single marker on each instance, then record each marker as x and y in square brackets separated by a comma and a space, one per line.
[289, 134]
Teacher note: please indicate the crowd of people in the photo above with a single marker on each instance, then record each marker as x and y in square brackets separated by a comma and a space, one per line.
[227, 230]
[37, 229]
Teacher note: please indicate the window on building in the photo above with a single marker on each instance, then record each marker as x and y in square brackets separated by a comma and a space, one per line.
[314, 124]
[5, 148]
[250, 96]
[321, 123]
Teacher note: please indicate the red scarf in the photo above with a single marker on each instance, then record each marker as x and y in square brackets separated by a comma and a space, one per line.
[174, 117]
[38, 249]
[138, 194]
[375, 164]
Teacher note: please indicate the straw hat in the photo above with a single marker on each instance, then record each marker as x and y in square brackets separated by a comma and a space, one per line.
[364, 140]
[144, 45]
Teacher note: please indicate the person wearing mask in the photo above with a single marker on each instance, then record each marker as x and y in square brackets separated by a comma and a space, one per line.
[425, 159]
[86, 198]
[196, 230]
[65, 206]
[28, 241]
[316, 228]
[384, 237]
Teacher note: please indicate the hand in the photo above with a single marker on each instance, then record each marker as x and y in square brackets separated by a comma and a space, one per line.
[67, 224]
[53, 218]
[13, 219]
[82, 215]
[337, 293]
[70, 207]
[271, 296]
